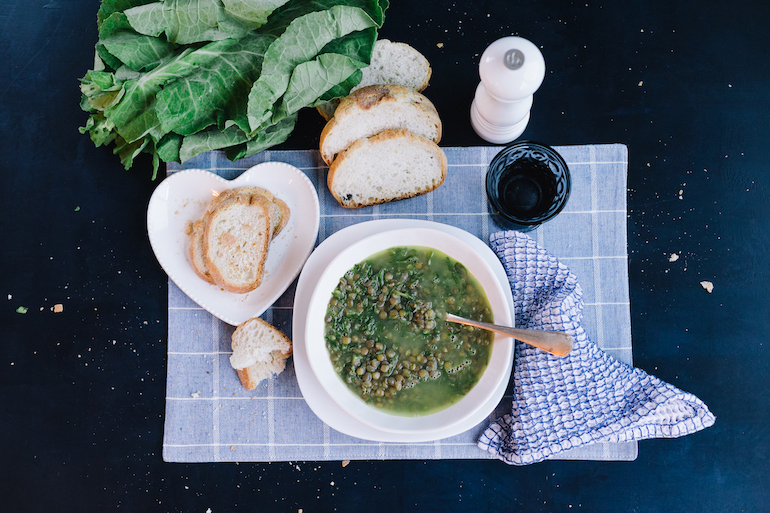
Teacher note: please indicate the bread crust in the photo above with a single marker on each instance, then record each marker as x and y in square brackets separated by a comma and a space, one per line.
[213, 269]
[379, 138]
[197, 258]
[386, 106]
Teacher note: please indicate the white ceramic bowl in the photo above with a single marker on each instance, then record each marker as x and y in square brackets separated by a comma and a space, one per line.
[496, 372]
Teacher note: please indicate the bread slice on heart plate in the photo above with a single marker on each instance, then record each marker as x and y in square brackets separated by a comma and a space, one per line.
[374, 109]
[235, 242]
[279, 217]
[388, 166]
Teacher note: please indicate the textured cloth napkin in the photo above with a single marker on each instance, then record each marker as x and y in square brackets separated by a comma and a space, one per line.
[587, 396]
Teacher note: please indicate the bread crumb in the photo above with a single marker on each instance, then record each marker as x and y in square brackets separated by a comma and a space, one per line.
[440, 45]
[345, 463]
[673, 258]
[708, 286]
[58, 308]
[232, 447]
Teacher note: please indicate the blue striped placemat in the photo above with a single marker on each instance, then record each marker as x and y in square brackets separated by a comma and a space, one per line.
[210, 417]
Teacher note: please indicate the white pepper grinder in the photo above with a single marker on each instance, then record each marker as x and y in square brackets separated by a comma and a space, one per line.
[511, 70]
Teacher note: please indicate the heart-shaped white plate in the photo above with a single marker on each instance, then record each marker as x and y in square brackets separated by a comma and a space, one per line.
[183, 197]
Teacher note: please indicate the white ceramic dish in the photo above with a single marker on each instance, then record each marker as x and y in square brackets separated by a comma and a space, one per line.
[316, 397]
[183, 196]
[472, 404]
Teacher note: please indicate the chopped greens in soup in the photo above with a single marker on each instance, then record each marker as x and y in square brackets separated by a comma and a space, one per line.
[387, 337]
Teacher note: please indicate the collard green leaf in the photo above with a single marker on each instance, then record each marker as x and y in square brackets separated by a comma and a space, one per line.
[137, 51]
[128, 151]
[110, 61]
[254, 13]
[109, 7]
[301, 42]
[356, 45]
[211, 139]
[100, 91]
[135, 116]
[217, 90]
[168, 148]
[283, 16]
[312, 79]
[100, 129]
[187, 21]
[340, 90]
[267, 138]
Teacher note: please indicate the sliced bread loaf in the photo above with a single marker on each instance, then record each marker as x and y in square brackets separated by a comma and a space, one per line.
[396, 63]
[373, 109]
[235, 242]
[392, 63]
[260, 351]
[392, 165]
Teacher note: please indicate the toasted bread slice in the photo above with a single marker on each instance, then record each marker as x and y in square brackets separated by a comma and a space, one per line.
[197, 253]
[260, 351]
[279, 212]
[392, 165]
[235, 242]
[373, 109]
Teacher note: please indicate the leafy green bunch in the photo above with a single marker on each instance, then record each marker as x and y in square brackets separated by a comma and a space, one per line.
[175, 78]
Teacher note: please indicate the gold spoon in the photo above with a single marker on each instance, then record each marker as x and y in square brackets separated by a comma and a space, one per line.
[554, 342]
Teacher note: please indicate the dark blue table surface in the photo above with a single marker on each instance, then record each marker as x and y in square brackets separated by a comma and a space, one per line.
[686, 85]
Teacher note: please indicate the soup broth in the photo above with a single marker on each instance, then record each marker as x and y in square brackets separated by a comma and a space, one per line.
[387, 337]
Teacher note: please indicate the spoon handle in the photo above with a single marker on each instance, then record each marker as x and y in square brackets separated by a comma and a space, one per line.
[554, 342]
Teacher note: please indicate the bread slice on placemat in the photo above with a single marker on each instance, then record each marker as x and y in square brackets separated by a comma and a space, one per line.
[373, 109]
[392, 165]
[260, 351]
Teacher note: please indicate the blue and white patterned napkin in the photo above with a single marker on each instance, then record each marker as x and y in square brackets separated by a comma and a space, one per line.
[585, 397]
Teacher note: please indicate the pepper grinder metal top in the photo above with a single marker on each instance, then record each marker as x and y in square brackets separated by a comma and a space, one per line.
[511, 70]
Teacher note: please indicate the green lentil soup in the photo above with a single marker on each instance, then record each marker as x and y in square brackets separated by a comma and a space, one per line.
[387, 337]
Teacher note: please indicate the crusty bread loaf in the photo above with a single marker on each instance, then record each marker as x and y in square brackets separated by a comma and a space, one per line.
[374, 109]
[392, 63]
[235, 242]
[392, 165]
[260, 351]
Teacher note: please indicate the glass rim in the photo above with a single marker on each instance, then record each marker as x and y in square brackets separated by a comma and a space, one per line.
[496, 166]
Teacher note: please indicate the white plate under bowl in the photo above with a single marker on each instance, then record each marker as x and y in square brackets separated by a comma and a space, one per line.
[471, 405]
[183, 197]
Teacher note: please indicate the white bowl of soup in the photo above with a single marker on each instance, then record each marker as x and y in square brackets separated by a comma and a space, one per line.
[378, 342]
